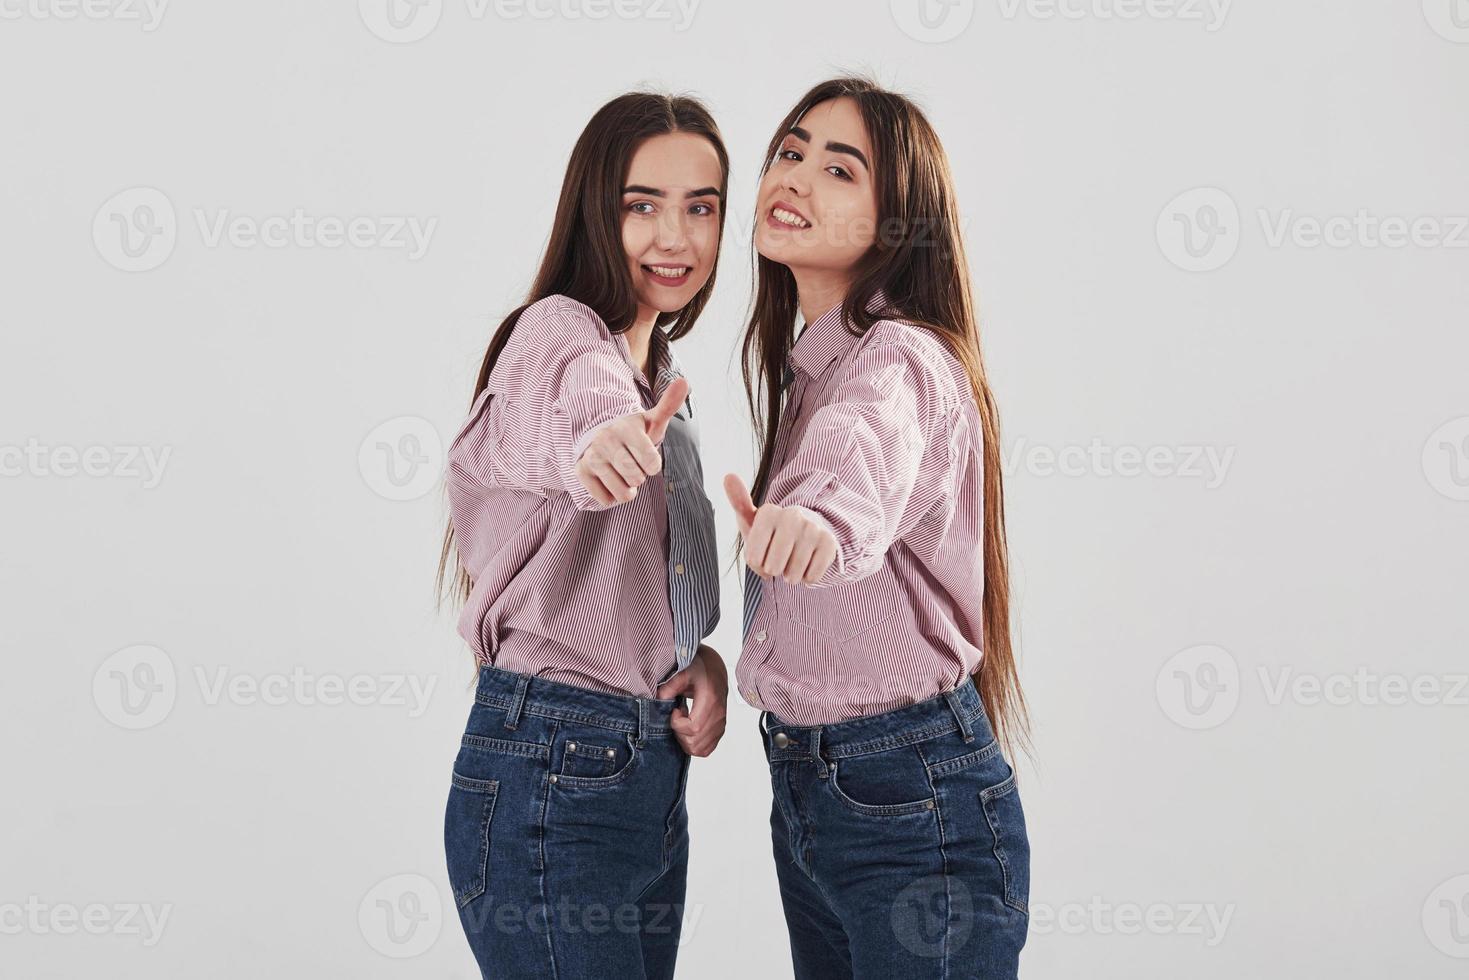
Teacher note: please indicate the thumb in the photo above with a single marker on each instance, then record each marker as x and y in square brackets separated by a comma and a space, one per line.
[657, 417]
[741, 501]
[675, 685]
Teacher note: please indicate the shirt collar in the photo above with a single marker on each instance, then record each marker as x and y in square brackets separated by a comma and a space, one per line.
[828, 337]
[665, 368]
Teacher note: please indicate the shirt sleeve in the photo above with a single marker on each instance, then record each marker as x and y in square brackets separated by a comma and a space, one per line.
[557, 382]
[860, 468]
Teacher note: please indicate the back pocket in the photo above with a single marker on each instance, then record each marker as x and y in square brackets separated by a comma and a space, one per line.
[467, 835]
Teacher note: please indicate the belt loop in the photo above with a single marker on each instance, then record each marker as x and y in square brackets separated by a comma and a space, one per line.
[952, 697]
[822, 770]
[517, 702]
[642, 731]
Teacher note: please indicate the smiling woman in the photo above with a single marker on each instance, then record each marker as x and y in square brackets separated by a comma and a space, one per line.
[586, 560]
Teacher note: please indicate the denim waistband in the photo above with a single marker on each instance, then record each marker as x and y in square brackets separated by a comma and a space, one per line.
[959, 710]
[521, 694]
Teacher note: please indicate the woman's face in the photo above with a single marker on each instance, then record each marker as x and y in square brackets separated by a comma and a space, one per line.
[670, 219]
[817, 207]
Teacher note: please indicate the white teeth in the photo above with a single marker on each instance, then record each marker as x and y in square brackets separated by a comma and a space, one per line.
[789, 218]
[668, 273]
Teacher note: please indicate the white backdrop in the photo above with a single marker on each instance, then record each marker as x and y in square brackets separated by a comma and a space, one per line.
[251, 257]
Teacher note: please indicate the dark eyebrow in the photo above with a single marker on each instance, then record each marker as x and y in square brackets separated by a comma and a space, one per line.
[833, 146]
[655, 192]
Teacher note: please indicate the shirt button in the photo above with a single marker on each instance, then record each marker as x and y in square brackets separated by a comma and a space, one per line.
[760, 637]
[678, 569]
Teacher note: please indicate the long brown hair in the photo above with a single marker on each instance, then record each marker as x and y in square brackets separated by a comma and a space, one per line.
[918, 262]
[584, 257]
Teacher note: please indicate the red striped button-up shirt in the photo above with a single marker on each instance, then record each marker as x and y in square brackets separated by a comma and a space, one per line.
[566, 588]
[880, 441]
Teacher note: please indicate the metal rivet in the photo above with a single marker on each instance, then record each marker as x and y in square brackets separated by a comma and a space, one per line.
[610, 753]
[571, 745]
[929, 805]
[553, 777]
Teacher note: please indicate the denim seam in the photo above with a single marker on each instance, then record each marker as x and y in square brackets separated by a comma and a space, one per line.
[541, 850]
[962, 762]
[985, 797]
[533, 750]
[885, 742]
[570, 714]
[938, 813]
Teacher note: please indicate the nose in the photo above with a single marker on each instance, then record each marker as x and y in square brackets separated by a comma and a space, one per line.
[672, 230]
[793, 179]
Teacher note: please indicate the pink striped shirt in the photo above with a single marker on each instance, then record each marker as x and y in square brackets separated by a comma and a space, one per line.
[880, 440]
[566, 588]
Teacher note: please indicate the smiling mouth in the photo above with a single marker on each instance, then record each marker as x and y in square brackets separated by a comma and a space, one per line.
[788, 218]
[672, 275]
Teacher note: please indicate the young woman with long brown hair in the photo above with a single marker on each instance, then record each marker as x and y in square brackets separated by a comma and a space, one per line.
[586, 561]
[877, 639]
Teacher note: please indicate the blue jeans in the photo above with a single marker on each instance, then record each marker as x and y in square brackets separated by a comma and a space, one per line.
[566, 832]
[900, 844]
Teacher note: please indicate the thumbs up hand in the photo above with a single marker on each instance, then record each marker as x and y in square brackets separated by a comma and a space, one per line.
[624, 453]
[792, 542]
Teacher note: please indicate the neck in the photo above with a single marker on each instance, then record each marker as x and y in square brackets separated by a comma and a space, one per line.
[819, 290]
[639, 339]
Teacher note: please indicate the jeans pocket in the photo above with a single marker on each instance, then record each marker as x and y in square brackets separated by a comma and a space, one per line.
[467, 835]
[588, 765]
[892, 783]
[1006, 818]
[592, 759]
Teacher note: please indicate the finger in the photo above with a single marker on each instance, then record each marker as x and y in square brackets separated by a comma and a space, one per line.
[741, 502]
[758, 543]
[657, 417]
[800, 560]
[623, 462]
[613, 480]
[674, 686]
[821, 561]
[683, 725]
[593, 485]
[647, 455]
[783, 542]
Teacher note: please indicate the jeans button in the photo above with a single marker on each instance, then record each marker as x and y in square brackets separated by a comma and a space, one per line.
[781, 740]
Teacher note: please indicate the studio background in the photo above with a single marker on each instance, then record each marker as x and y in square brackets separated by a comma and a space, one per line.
[252, 255]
